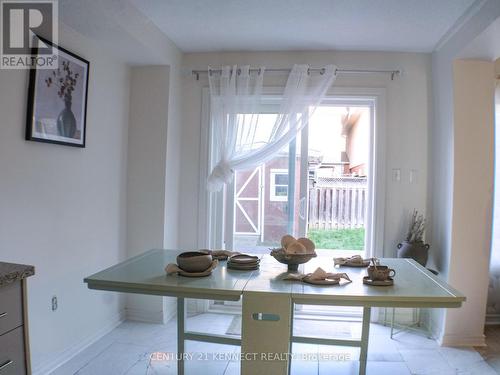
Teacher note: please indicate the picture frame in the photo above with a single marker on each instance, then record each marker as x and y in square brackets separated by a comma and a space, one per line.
[57, 100]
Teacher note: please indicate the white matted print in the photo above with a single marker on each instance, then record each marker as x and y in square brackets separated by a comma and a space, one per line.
[57, 101]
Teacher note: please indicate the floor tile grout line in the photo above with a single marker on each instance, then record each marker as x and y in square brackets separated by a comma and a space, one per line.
[92, 358]
[136, 362]
[407, 367]
[114, 342]
[225, 369]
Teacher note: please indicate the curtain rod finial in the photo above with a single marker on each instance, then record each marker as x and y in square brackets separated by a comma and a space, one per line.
[395, 73]
[196, 73]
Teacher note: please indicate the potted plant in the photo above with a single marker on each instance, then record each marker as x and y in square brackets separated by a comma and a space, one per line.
[413, 246]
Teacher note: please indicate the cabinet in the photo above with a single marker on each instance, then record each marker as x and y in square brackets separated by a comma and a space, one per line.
[14, 342]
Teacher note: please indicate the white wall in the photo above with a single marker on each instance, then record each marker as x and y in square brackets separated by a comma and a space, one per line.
[472, 198]
[441, 161]
[154, 157]
[65, 209]
[493, 305]
[441, 134]
[62, 209]
[173, 152]
[148, 188]
[130, 36]
[406, 126]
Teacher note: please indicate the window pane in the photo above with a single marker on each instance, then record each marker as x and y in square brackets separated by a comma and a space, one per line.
[281, 191]
[281, 179]
[254, 130]
[338, 144]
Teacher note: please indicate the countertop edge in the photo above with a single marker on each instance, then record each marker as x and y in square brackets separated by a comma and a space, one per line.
[12, 272]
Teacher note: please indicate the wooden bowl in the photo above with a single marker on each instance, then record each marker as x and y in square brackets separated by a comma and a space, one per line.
[194, 261]
[292, 261]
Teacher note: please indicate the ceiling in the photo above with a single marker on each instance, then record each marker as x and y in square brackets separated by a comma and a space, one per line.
[486, 46]
[267, 25]
[117, 27]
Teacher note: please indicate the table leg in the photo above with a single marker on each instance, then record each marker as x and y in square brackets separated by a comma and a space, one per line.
[292, 312]
[365, 333]
[181, 318]
[392, 321]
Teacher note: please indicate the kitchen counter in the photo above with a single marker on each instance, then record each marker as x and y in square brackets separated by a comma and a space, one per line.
[12, 272]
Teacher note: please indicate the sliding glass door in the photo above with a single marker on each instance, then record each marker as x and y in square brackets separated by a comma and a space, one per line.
[318, 186]
[337, 177]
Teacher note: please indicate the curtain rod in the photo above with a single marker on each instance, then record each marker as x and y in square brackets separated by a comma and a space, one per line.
[393, 73]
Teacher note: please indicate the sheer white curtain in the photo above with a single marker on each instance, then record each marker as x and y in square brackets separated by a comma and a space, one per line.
[242, 137]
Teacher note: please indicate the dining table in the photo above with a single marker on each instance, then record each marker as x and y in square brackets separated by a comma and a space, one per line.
[268, 299]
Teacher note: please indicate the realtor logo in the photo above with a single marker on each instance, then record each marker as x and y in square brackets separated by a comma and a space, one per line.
[21, 22]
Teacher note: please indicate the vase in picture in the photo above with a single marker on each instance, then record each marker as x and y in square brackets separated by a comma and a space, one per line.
[66, 121]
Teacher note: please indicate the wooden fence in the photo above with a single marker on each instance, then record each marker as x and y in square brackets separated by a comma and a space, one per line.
[340, 206]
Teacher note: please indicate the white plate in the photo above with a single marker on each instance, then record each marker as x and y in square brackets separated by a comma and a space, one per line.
[321, 282]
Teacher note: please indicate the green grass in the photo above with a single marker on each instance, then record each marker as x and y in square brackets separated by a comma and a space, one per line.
[344, 239]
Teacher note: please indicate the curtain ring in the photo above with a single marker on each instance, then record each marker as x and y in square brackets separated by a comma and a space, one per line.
[259, 72]
[322, 71]
[308, 71]
[210, 72]
[238, 71]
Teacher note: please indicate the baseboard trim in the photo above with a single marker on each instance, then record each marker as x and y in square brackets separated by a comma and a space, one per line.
[155, 317]
[434, 321]
[66, 355]
[492, 319]
[458, 340]
[170, 311]
[401, 316]
[145, 316]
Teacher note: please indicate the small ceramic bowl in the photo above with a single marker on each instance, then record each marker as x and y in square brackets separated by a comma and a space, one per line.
[194, 261]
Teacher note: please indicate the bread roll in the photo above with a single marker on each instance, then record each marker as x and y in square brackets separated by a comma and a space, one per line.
[308, 244]
[286, 240]
[295, 248]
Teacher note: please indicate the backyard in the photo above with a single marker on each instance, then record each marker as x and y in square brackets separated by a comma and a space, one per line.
[345, 239]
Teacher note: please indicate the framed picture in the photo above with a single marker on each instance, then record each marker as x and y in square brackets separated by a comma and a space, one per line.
[57, 100]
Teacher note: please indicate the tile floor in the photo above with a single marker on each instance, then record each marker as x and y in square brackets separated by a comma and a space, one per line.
[127, 350]
[491, 352]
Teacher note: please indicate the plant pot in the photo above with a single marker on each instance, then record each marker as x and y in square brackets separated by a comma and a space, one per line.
[414, 250]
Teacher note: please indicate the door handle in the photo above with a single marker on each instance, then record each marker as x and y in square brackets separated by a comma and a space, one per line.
[302, 208]
[266, 317]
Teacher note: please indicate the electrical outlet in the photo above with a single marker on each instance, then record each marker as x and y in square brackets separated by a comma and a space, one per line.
[396, 175]
[54, 303]
[413, 176]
